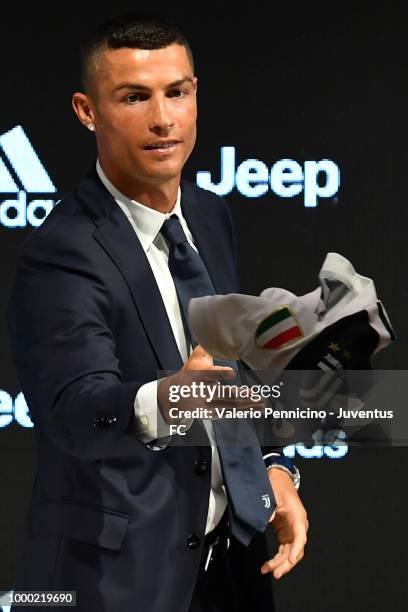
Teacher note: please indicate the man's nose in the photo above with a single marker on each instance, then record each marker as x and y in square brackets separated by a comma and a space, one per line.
[160, 118]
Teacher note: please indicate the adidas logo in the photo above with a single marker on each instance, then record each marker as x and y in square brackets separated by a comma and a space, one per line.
[22, 176]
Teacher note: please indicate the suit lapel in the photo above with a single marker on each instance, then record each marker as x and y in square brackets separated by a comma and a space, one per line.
[117, 237]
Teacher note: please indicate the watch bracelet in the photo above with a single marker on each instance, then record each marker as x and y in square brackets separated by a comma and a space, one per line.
[296, 481]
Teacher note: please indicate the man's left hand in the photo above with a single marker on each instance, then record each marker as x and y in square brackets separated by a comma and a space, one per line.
[290, 523]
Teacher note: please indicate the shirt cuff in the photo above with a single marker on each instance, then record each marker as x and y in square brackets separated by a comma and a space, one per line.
[150, 426]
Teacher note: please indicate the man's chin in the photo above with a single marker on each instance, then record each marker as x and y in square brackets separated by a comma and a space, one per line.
[162, 175]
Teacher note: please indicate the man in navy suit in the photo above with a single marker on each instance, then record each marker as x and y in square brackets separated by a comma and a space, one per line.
[121, 512]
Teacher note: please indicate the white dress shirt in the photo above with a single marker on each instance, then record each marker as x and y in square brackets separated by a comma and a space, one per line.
[147, 223]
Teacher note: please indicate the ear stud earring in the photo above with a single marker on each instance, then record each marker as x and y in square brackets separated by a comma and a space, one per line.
[91, 126]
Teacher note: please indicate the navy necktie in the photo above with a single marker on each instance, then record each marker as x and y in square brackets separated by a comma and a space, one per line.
[250, 497]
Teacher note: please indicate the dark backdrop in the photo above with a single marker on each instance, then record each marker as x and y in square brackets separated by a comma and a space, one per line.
[294, 81]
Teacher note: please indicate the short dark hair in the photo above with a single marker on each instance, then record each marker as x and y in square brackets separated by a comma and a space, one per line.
[132, 30]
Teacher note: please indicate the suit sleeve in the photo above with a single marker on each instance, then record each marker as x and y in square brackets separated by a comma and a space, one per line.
[64, 352]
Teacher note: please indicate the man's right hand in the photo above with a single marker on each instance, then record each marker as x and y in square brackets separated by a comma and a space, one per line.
[200, 367]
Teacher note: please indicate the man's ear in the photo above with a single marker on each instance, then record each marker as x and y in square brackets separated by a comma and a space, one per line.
[83, 108]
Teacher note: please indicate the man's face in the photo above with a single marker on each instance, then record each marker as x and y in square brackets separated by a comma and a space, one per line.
[143, 97]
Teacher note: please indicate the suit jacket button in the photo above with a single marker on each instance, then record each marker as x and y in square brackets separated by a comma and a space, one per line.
[200, 466]
[193, 541]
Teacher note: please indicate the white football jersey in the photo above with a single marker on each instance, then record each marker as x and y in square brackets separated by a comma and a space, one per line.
[268, 330]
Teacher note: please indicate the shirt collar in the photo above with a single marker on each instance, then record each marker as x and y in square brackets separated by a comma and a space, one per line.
[146, 221]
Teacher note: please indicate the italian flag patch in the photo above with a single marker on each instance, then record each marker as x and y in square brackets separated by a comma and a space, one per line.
[279, 328]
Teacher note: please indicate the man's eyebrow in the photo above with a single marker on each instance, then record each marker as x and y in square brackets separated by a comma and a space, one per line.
[144, 88]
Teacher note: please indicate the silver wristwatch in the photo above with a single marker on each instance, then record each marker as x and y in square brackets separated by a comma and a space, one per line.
[295, 474]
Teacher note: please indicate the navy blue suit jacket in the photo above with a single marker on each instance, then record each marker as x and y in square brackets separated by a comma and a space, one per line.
[108, 517]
